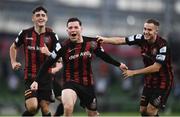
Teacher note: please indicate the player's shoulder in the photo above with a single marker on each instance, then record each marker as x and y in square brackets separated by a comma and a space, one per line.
[28, 29]
[161, 40]
[89, 39]
[92, 41]
[65, 42]
[48, 29]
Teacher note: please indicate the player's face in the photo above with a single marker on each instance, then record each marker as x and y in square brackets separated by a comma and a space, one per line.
[150, 32]
[40, 18]
[74, 30]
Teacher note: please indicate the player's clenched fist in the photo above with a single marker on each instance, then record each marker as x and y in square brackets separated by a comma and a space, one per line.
[45, 50]
[34, 86]
[16, 66]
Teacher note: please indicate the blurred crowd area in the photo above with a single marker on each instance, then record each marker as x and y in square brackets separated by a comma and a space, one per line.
[99, 17]
[114, 94]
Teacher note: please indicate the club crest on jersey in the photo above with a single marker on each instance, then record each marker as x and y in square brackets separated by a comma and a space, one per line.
[46, 39]
[154, 51]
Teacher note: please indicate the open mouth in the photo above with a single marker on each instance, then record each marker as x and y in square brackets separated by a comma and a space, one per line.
[73, 35]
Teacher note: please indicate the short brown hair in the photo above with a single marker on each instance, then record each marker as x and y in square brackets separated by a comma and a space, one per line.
[155, 22]
[73, 19]
[38, 8]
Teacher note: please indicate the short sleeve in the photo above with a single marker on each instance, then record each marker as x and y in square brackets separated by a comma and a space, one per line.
[134, 39]
[162, 54]
[19, 39]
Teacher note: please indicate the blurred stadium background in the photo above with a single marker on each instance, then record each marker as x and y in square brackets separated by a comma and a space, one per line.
[99, 17]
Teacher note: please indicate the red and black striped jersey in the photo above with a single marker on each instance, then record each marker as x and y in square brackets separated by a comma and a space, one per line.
[77, 59]
[157, 52]
[32, 41]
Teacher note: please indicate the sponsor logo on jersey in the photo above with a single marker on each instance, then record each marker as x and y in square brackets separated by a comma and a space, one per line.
[36, 48]
[154, 51]
[29, 38]
[81, 54]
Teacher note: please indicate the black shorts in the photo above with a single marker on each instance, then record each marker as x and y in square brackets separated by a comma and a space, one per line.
[156, 97]
[57, 88]
[43, 93]
[86, 94]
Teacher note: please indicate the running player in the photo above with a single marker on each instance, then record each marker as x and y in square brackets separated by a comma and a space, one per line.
[158, 79]
[32, 40]
[77, 53]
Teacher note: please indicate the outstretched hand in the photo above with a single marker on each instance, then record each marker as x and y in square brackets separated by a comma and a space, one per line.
[128, 73]
[34, 86]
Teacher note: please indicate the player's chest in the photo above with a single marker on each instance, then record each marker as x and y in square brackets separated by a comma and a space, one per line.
[77, 52]
[150, 50]
[34, 42]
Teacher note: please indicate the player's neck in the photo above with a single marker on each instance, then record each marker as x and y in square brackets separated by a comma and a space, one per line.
[40, 30]
[80, 40]
[153, 40]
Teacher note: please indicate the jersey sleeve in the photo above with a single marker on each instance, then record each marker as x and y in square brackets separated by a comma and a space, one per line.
[99, 51]
[19, 39]
[56, 43]
[162, 54]
[44, 68]
[134, 39]
[53, 58]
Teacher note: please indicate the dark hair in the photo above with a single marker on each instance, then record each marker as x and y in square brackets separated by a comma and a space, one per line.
[73, 19]
[155, 22]
[38, 8]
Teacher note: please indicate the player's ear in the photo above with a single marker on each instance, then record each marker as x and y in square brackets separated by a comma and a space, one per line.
[47, 17]
[33, 18]
[157, 29]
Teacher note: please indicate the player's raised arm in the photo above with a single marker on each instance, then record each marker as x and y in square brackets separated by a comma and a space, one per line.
[112, 40]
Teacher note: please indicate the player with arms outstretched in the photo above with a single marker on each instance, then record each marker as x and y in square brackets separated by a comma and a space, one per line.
[158, 73]
[77, 53]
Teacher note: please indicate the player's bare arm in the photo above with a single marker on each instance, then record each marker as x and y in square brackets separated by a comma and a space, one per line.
[150, 69]
[13, 53]
[112, 40]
